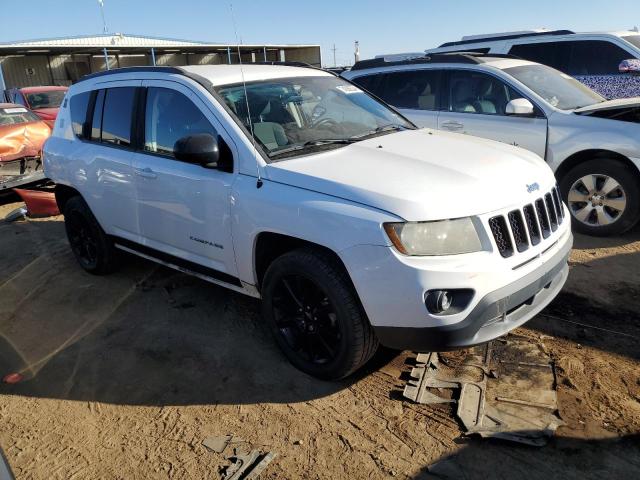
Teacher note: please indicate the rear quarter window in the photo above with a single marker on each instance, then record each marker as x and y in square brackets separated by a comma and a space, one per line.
[78, 108]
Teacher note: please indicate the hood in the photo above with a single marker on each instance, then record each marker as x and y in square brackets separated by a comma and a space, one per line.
[622, 109]
[22, 140]
[421, 175]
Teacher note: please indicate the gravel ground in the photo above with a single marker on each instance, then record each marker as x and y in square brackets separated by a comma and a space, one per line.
[126, 375]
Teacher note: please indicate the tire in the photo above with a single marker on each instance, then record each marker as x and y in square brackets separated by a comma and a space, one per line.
[607, 213]
[341, 338]
[91, 246]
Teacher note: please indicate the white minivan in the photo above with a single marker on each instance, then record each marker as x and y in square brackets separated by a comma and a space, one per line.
[293, 185]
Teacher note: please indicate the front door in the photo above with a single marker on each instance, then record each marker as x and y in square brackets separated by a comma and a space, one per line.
[476, 104]
[184, 208]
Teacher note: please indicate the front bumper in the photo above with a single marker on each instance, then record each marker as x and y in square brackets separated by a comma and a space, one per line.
[496, 314]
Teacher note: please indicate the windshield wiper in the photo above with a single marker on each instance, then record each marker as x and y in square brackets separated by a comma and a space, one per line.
[311, 143]
[384, 128]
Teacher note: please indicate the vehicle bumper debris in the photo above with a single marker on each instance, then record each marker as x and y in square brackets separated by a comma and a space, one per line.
[504, 389]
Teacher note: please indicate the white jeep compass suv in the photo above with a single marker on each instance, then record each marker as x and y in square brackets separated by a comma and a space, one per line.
[293, 185]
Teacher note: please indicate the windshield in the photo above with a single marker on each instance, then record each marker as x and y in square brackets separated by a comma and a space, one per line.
[50, 99]
[291, 116]
[16, 115]
[558, 89]
[633, 40]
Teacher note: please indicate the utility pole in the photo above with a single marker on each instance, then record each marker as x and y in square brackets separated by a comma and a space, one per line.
[104, 22]
[334, 55]
[356, 54]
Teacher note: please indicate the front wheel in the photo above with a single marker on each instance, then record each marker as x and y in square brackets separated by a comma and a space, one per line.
[603, 197]
[315, 315]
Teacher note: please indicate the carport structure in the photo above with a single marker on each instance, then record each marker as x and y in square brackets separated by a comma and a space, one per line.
[62, 61]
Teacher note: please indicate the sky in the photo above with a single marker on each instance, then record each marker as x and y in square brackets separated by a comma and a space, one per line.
[381, 27]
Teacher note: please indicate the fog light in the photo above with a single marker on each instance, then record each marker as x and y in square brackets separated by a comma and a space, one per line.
[439, 301]
[448, 302]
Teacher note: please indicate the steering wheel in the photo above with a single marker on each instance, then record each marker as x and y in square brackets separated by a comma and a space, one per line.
[326, 122]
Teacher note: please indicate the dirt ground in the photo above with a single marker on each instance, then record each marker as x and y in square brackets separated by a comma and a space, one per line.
[126, 375]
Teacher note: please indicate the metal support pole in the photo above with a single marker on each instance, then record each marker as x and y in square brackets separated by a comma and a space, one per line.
[264, 53]
[153, 56]
[3, 85]
[229, 55]
[106, 57]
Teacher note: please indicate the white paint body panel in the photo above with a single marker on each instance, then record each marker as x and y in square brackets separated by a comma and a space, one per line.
[337, 199]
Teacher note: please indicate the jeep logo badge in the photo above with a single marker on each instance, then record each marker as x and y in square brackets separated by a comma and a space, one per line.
[533, 187]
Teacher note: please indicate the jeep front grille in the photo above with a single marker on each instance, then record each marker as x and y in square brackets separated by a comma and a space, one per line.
[523, 228]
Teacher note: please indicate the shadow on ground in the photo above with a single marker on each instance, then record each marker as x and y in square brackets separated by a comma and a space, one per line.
[145, 335]
[562, 458]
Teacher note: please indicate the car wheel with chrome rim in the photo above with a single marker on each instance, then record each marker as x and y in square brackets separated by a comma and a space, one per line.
[603, 197]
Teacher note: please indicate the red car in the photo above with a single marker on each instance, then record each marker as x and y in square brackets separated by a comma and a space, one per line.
[43, 101]
[22, 134]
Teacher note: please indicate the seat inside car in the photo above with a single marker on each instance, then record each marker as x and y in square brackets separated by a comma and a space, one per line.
[462, 96]
[427, 100]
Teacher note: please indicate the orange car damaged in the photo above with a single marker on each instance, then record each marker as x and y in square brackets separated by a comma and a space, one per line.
[22, 135]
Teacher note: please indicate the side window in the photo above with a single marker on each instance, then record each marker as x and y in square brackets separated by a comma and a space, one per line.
[370, 83]
[19, 99]
[595, 57]
[417, 90]
[476, 92]
[170, 116]
[553, 54]
[117, 115]
[78, 108]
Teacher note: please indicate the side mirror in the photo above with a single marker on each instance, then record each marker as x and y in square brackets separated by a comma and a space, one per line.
[631, 65]
[520, 107]
[201, 148]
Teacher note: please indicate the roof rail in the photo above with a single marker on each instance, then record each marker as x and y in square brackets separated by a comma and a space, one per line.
[132, 70]
[453, 57]
[507, 37]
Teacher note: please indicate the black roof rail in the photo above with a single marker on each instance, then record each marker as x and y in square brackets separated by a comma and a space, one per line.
[507, 37]
[113, 71]
[453, 57]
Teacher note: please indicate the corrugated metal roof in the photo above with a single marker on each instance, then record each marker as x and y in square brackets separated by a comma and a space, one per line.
[119, 40]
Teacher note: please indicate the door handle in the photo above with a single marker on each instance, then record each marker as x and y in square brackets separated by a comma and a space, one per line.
[146, 173]
[451, 125]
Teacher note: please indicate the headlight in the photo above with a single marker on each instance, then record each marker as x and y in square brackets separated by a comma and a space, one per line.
[446, 237]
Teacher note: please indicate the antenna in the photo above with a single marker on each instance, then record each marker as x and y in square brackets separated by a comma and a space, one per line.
[246, 97]
[104, 22]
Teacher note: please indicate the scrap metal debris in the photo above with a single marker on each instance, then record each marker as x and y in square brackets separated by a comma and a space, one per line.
[502, 389]
[17, 214]
[245, 464]
[217, 444]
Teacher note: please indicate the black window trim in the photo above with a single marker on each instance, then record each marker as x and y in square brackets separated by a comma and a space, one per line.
[538, 112]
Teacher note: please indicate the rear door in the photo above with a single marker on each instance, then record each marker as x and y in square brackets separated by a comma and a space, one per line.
[475, 104]
[104, 154]
[416, 93]
[184, 208]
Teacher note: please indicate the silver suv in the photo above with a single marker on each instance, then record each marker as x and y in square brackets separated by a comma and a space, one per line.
[592, 145]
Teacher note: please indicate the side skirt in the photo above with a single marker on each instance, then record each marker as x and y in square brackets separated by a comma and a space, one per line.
[204, 273]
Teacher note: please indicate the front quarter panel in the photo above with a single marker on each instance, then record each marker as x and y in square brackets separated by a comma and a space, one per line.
[331, 222]
[570, 133]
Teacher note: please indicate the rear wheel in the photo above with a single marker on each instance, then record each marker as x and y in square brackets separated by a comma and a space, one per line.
[91, 246]
[315, 315]
[603, 197]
